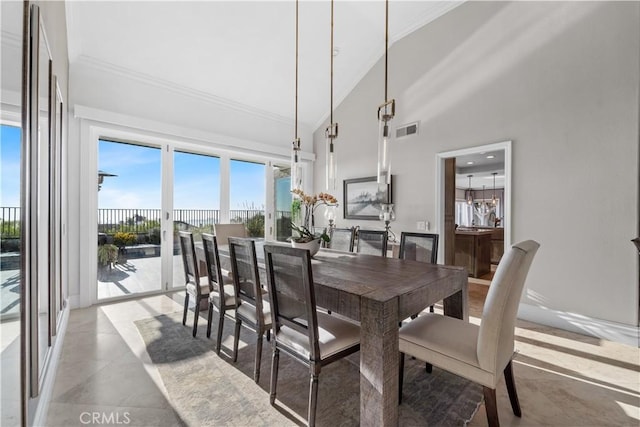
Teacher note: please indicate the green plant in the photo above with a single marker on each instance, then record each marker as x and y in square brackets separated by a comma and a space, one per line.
[255, 225]
[107, 254]
[122, 239]
[307, 236]
[296, 209]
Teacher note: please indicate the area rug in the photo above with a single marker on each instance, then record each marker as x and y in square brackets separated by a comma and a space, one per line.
[207, 389]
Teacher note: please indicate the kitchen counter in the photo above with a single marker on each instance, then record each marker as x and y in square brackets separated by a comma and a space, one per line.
[473, 250]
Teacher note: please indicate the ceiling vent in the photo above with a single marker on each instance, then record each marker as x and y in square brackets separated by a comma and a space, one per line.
[407, 130]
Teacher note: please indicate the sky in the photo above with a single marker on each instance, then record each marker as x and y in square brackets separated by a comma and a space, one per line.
[9, 166]
[196, 179]
[138, 184]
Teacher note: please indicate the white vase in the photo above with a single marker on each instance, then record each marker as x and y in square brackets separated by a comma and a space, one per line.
[313, 246]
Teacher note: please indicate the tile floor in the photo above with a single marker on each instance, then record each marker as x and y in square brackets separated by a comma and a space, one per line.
[563, 379]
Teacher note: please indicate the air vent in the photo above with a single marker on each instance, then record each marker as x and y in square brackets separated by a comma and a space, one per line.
[407, 130]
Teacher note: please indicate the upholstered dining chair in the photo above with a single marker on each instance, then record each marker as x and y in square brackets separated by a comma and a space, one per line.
[299, 330]
[223, 296]
[342, 239]
[421, 247]
[196, 286]
[478, 353]
[372, 242]
[224, 231]
[252, 311]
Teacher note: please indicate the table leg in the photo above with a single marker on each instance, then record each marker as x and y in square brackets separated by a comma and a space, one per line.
[457, 304]
[379, 363]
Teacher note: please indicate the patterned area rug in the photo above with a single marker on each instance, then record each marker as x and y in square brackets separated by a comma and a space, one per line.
[207, 389]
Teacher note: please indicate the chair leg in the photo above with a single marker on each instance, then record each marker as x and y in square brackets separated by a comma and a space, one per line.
[313, 399]
[220, 326]
[428, 367]
[491, 406]
[256, 369]
[186, 308]
[431, 309]
[236, 339]
[401, 378]
[195, 318]
[268, 334]
[274, 375]
[511, 388]
[209, 320]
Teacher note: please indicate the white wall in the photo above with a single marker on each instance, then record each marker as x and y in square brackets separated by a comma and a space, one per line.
[558, 79]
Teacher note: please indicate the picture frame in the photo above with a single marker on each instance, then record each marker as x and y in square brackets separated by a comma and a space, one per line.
[362, 198]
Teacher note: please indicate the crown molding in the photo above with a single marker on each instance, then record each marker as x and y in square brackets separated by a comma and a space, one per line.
[91, 62]
[169, 131]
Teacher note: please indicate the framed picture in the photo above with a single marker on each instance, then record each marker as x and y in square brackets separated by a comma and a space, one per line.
[363, 198]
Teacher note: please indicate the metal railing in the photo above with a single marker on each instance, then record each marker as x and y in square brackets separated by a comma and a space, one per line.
[141, 220]
[10, 222]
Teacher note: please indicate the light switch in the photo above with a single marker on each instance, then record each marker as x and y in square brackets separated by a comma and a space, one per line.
[421, 225]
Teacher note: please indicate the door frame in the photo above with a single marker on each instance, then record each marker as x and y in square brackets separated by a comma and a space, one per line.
[440, 186]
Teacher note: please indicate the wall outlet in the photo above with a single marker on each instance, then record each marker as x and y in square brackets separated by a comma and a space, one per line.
[421, 225]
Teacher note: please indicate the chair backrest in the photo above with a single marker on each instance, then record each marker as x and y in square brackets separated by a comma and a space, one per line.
[212, 259]
[421, 247]
[342, 239]
[293, 302]
[496, 336]
[246, 278]
[189, 260]
[372, 242]
[224, 231]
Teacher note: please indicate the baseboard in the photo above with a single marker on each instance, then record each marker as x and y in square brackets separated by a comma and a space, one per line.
[74, 302]
[46, 391]
[617, 332]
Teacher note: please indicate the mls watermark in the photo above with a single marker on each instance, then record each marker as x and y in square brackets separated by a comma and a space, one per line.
[105, 418]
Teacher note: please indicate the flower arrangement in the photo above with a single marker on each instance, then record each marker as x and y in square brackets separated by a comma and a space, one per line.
[310, 203]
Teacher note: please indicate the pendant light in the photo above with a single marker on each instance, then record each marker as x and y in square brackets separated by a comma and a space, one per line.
[469, 192]
[494, 201]
[386, 112]
[296, 167]
[331, 132]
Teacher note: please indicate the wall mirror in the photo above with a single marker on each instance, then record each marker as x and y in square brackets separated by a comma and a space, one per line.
[12, 17]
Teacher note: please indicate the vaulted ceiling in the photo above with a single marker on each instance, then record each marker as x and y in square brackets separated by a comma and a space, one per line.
[241, 51]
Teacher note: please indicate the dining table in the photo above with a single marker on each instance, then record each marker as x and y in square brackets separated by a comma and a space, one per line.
[379, 293]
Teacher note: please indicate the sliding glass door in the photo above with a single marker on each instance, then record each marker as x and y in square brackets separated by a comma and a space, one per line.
[196, 201]
[282, 202]
[247, 190]
[129, 219]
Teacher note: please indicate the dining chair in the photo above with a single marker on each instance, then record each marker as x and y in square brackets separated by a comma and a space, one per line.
[224, 231]
[309, 336]
[251, 311]
[223, 296]
[342, 239]
[372, 242]
[421, 247]
[196, 286]
[478, 353]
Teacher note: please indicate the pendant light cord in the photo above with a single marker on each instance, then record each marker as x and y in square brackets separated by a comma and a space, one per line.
[386, 48]
[331, 90]
[296, 108]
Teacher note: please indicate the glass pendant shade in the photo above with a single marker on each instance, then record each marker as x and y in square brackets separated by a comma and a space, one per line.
[385, 115]
[494, 201]
[296, 167]
[331, 160]
[469, 192]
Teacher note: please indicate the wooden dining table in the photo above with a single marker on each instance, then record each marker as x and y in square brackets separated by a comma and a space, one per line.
[379, 293]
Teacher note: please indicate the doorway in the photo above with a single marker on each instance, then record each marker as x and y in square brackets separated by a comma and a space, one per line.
[474, 195]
